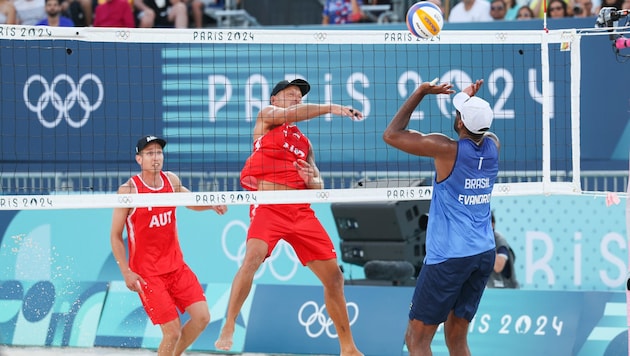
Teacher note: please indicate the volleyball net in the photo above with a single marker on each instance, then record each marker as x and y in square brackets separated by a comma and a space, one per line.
[76, 100]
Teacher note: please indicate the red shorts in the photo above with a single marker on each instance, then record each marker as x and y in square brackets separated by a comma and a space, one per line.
[165, 294]
[294, 223]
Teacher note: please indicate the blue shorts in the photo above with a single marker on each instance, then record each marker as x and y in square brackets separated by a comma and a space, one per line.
[456, 284]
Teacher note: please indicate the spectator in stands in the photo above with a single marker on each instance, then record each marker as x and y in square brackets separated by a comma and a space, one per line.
[439, 4]
[503, 275]
[471, 11]
[538, 8]
[557, 9]
[114, 13]
[342, 11]
[512, 9]
[54, 17]
[525, 13]
[162, 13]
[498, 10]
[80, 11]
[196, 9]
[29, 12]
[583, 8]
[7, 13]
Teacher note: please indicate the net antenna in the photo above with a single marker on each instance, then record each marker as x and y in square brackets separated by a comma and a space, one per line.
[84, 97]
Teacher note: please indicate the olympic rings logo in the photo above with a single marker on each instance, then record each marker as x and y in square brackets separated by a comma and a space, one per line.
[503, 188]
[63, 106]
[317, 322]
[125, 199]
[501, 36]
[279, 267]
[322, 195]
[123, 35]
[320, 36]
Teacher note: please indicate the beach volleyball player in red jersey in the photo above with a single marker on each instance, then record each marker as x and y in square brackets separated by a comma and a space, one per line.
[283, 159]
[156, 269]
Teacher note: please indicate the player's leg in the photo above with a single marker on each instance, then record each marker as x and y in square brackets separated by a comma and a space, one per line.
[418, 337]
[331, 277]
[171, 331]
[162, 310]
[199, 319]
[437, 289]
[456, 325]
[456, 335]
[256, 251]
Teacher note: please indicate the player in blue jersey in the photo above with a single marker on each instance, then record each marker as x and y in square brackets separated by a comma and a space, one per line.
[459, 241]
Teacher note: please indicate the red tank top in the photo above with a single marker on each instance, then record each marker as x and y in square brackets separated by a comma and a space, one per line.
[153, 242]
[273, 156]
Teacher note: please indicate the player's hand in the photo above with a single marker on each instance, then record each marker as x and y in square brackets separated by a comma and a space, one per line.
[304, 169]
[348, 111]
[356, 115]
[134, 282]
[434, 88]
[472, 89]
[219, 209]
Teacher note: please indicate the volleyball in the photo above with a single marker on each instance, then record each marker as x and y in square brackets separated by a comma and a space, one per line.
[424, 19]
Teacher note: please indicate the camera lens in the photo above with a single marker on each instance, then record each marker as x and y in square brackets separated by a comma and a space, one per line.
[577, 10]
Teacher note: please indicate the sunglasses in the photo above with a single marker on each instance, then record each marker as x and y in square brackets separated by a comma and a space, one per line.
[555, 8]
[496, 8]
[524, 15]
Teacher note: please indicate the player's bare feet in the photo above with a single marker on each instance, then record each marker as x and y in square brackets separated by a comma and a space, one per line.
[225, 340]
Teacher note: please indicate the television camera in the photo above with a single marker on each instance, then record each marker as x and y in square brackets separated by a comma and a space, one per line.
[617, 22]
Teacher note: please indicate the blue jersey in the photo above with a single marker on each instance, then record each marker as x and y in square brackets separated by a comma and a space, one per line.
[459, 215]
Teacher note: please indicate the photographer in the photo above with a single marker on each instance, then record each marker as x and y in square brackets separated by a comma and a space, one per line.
[503, 275]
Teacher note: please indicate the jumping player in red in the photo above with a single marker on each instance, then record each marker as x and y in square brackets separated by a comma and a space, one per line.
[156, 269]
[283, 159]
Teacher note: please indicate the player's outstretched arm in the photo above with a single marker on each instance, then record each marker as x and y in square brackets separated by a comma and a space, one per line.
[274, 115]
[413, 142]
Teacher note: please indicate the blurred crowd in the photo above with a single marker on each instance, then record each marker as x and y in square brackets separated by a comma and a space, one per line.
[201, 13]
[348, 11]
[112, 13]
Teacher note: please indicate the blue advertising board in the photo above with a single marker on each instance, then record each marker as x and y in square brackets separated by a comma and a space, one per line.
[304, 326]
[561, 243]
[293, 320]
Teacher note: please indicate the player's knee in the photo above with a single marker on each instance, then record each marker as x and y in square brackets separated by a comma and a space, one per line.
[333, 281]
[171, 333]
[202, 319]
